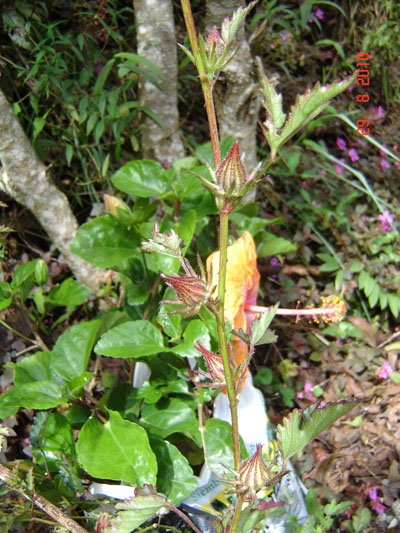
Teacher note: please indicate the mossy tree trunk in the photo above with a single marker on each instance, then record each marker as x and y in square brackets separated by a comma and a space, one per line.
[156, 41]
[25, 179]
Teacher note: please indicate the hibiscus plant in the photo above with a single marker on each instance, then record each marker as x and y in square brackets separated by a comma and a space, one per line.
[185, 345]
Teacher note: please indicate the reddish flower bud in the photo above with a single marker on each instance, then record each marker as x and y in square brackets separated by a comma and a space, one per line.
[231, 175]
[253, 473]
[191, 291]
[214, 363]
[213, 42]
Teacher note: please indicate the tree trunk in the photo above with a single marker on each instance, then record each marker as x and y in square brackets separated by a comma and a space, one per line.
[156, 41]
[236, 94]
[23, 177]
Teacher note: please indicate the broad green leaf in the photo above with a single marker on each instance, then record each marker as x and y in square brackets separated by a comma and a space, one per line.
[186, 227]
[105, 242]
[141, 177]
[171, 324]
[271, 245]
[394, 304]
[133, 513]
[23, 272]
[175, 477]
[52, 436]
[71, 352]
[118, 449]
[131, 339]
[42, 394]
[195, 330]
[218, 446]
[259, 327]
[136, 294]
[38, 124]
[5, 295]
[300, 428]
[70, 292]
[171, 416]
[36, 367]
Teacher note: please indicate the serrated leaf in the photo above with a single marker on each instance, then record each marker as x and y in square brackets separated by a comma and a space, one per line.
[259, 328]
[230, 26]
[300, 428]
[118, 449]
[135, 338]
[273, 106]
[133, 513]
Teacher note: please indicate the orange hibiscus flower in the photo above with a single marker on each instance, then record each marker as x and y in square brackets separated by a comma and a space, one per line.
[242, 282]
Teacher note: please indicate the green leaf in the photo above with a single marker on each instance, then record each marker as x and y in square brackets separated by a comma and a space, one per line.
[204, 152]
[23, 272]
[300, 428]
[36, 367]
[118, 449]
[175, 477]
[218, 446]
[37, 395]
[171, 324]
[131, 339]
[142, 177]
[5, 295]
[51, 438]
[105, 242]
[271, 245]
[230, 25]
[394, 304]
[102, 77]
[136, 294]
[171, 416]
[98, 131]
[71, 352]
[186, 227]
[69, 152]
[195, 330]
[38, 124]
[133, 513]
[70, 292]
[259, 327]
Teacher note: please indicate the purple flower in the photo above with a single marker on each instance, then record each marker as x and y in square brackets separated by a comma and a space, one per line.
[283, 36]
[376, 500]
[319, 13]
[310, 20]
[384, 164]
[353, 155]
[383, 372]
[275, 262]
[341, 144]
[339, 169]
[307, 393]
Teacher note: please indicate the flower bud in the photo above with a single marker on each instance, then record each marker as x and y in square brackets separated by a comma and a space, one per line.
[113, 204]
[41, 272]
[253, 473]
[191, 291]
[214, 363]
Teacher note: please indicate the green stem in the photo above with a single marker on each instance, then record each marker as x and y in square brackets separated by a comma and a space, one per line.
[230, 385]
[206, 84]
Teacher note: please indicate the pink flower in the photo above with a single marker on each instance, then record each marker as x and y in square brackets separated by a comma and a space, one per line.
[339, 169]
[353, 155]
[376, 500]
[386, 221]
[384, 372]
[283, 36]
[341, 144]
[307, 393]
[319, 13]
[384, 164]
